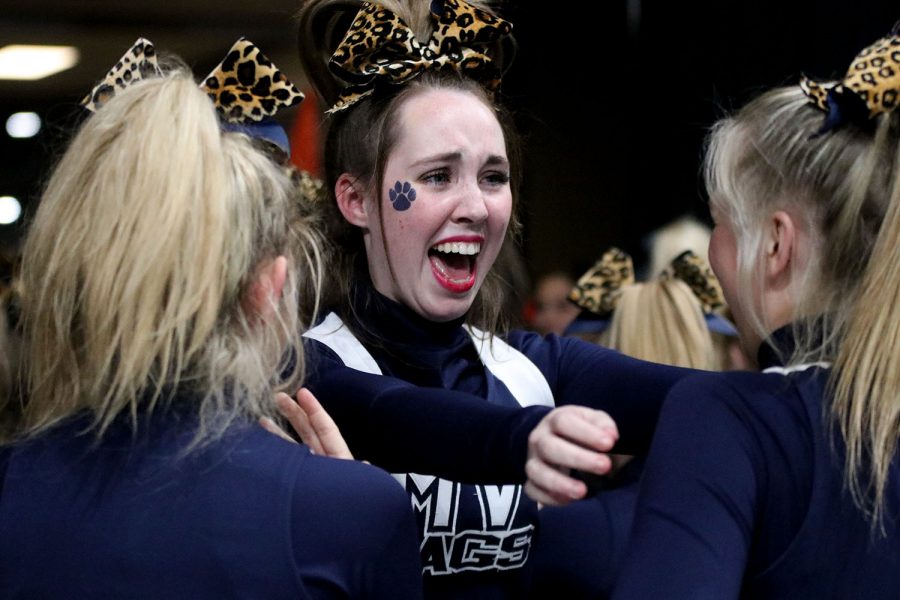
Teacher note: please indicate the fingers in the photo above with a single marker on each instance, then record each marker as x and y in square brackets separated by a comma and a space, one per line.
[583, 426]
[298, 419]
[327, 432]
[313, 424]
[553, 486]
[548, 486]
[272, 427]
[563, 454]
[570, 437]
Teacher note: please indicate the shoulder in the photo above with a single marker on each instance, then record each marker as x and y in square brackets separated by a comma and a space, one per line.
[318, 355]
[742, 390]
[722, 392]
[323, 495]
[767, 410]
[342, 500]
[343, 480]
[550, 351]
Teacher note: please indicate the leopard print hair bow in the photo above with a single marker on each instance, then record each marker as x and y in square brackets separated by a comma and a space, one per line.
[379, 46]
[871, 86]
[138, 63]
[245, 87]
[598, 291]
[693, 270]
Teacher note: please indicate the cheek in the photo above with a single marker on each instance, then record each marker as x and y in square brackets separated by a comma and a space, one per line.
[721, 253]
[501, 213]
[722, 259]
[402, 195]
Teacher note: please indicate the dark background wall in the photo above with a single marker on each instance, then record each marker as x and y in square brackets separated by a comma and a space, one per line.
[615, 111]
[613, 98]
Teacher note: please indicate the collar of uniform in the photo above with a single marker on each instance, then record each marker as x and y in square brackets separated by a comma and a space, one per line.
[776, 347]
[392, 324]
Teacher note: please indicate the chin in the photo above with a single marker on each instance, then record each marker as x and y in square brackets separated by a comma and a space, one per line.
[445, 314]
[441, 310]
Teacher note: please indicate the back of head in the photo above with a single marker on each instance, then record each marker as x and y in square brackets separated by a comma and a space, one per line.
[845, 182]
[767, 158]
[661, 321]
[136, 267]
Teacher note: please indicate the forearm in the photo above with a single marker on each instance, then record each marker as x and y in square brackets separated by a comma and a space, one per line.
[403, 428]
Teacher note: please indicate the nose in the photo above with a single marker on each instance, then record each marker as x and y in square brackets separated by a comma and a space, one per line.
[471, 206]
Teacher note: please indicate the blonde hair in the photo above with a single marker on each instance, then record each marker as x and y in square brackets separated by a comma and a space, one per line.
[137, 266]
[843, 183]
[661, 321]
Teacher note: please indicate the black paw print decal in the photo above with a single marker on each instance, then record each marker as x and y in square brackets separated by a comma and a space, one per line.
[402, 195]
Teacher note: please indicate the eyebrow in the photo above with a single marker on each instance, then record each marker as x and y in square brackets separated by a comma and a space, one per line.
[494, 159]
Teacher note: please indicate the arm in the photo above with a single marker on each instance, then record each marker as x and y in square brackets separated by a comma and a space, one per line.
[696, 512]
[631, 391]
[405, 428]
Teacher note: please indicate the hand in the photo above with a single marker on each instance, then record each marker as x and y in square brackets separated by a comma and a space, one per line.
[314, 426]
[569, 437]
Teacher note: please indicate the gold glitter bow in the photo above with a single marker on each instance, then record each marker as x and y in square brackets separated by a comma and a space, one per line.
[380, 46]
[600, 288]
[870, 87]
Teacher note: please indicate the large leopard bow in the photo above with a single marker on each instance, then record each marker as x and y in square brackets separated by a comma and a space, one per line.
[870, 87]
[697, 274]
[246, 88]
[379, 46]
[598, 291]
[138, 63]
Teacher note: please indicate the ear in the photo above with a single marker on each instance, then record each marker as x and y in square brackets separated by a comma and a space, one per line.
[781, 246]
[265, 291]
[351, 200]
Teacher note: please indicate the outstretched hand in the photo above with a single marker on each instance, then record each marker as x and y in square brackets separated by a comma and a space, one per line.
[569, 437]
[311, 422]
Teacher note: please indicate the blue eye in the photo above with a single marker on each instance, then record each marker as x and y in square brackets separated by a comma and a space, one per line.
[435, 177]
[497, 178]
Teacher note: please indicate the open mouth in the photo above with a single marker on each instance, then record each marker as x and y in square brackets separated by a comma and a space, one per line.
[454, 264]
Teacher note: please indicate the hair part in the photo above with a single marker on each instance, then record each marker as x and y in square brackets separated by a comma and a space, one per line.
[149, 234]
[844, 184]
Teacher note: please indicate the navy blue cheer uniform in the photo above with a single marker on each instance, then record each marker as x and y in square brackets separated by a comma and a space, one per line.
[246, 516]
[743, 496]
[429, 400]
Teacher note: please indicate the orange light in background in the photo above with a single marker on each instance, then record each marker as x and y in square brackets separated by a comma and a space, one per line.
[306, 143]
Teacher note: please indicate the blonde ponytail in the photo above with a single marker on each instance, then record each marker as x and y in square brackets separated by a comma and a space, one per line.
[866, 383]
[147, 237]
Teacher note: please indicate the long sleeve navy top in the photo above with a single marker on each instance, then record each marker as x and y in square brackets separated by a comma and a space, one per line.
[246, 516]
[435, 409]
[430, 396]
[743, 497]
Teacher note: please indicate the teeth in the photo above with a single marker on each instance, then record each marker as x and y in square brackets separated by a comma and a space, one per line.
[464, 248]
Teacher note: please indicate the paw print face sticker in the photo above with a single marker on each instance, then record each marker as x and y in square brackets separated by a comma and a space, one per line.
[402, 195]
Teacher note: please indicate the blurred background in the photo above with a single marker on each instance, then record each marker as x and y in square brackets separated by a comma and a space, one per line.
[613, 98]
